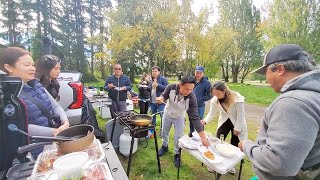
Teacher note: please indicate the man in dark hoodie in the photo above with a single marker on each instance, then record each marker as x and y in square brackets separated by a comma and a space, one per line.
[202, 92]
[118, 85]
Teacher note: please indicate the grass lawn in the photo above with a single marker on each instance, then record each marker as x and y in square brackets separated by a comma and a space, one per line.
[144, 163]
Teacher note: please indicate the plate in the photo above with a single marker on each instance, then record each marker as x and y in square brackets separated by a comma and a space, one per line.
[189, 144]
[143, 86]
[204, 149]
[226, 150]
[196, 136]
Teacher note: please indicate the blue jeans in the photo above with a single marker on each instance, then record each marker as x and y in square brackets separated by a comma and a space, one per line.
[155, 108]
[201, 114]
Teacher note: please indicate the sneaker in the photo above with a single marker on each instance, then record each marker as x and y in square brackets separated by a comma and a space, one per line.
[210, 170]
[177, 161]
[162, 150]
[232, 170]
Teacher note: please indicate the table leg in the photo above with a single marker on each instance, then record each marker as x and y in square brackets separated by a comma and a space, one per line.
[179, 164]
[239, 176]
[156, 144]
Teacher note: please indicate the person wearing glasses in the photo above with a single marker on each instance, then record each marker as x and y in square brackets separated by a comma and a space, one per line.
[47, 70]
[117, 86]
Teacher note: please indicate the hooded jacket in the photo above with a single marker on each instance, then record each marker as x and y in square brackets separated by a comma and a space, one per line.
[176, 109]
[202, 91]
[289, 136]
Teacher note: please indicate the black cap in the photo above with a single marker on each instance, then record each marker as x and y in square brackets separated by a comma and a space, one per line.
[281, 53]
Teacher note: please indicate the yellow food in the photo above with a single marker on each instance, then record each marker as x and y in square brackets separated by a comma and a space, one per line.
[209, 155]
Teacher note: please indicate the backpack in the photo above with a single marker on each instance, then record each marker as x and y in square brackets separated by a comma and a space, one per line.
[89, 117]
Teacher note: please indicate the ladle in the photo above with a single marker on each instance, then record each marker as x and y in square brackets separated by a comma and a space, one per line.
[13, 127]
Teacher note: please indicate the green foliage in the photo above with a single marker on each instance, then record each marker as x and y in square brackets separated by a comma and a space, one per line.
[260, 95]
[292, 22]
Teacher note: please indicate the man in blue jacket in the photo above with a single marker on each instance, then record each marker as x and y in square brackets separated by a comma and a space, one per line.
[159, 83]
[118, 85]
[202, 92]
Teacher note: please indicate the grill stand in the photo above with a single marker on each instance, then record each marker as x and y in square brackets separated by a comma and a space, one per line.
[123, 118]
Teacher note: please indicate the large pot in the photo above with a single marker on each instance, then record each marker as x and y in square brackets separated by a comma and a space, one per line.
[65, 147]
[78, 144]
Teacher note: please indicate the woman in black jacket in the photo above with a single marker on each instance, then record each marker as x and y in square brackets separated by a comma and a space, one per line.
[144, 88]
[47, 70]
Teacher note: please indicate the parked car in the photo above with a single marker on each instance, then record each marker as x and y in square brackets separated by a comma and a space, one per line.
[71, 95]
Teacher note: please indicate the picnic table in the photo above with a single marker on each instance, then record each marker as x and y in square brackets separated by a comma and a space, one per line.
[221, 167]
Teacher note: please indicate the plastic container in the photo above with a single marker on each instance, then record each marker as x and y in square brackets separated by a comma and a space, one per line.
[70, 166]
[125, 143]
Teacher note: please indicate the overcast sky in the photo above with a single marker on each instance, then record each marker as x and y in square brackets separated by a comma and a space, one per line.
[198, 4]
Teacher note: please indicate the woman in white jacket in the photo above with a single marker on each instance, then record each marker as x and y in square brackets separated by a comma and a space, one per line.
[230, 104]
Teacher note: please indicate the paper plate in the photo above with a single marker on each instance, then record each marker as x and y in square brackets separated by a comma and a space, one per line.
[204, 149]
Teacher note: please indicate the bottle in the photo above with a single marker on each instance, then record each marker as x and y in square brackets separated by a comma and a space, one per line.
[221, 137]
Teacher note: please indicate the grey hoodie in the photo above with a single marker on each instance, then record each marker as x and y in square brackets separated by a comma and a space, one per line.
[289, 136]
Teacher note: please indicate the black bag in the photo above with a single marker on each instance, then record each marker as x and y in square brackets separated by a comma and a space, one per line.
[54, 121]
[89, 117]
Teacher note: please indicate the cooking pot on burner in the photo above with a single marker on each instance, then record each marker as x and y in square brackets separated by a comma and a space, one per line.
[85, 132]
[142, 119]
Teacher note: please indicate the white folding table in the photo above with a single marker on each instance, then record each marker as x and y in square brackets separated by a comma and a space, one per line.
[219, 168]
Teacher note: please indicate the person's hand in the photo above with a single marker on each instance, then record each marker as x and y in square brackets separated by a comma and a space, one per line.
[61, 128]
[236, 133]
[123, 88]
[240, 145]
[203, 122]
[204, 139]
[154, 85]
[205, 142]
[160, 100]
[110, 85]
[55, 131]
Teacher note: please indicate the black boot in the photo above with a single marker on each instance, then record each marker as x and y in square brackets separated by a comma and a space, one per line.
[162, 150]
[177, 161]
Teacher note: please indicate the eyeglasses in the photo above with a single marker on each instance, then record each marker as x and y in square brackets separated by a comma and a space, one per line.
[117, 68]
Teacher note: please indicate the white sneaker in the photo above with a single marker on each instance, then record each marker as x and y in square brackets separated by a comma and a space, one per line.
[210, 170]
[232, 170]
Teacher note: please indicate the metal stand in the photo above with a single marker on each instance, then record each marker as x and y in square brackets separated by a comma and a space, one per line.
[179, 163]
[133, 132]
[242, 161]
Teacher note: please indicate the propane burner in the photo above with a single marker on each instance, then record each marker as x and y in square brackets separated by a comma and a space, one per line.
[124, 118]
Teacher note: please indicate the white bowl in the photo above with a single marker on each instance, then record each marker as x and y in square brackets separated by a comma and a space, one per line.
[226, 150]
[70, 166]
[196, 136]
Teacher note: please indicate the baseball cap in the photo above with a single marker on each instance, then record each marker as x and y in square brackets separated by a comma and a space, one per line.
[281, 53]
[200, 68]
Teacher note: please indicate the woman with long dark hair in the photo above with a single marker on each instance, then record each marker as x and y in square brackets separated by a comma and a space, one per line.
[230, 105]
[47, 70]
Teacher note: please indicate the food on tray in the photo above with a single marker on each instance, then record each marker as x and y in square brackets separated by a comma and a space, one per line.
[46, 161]
[98, 171]
[209, 155]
